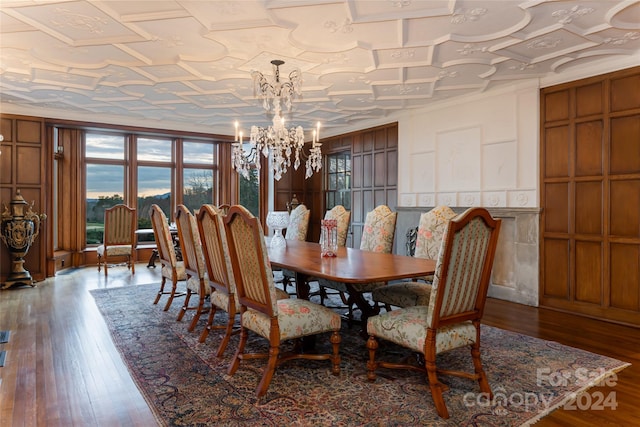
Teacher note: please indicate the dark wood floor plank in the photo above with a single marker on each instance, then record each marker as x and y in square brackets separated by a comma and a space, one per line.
[63, 370]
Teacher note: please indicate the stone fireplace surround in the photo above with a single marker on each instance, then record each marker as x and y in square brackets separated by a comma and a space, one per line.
[516, 266]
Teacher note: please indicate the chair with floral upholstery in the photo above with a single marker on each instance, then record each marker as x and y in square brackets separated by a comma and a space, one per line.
[452, 318]
[219, 272]
[417, 292]
[297, 230]
[194, 265]
[172, 269]
[377, 236]
[260, 311]
[119, 239]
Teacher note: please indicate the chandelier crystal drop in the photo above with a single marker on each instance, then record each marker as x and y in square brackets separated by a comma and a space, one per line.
[276, 142]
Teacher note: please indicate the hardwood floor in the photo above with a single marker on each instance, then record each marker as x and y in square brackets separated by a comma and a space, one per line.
[62, 368]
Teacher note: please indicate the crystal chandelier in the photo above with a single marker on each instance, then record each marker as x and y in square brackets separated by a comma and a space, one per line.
[277, 142]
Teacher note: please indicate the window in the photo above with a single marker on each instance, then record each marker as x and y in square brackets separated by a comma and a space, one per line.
[105, 173]
[250, 192]
[338, 176]
[198, 174]
[249, 196]
[144, 170]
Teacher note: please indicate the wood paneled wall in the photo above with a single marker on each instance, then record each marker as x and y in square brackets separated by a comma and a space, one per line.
[374, 175]
[23, 167]
[590, 195]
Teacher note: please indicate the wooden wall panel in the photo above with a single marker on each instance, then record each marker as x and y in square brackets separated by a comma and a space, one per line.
[590, 197]
[557, 212]
[624, 93]
[625, 147]
[588, 219]
[589, 275]
[556, 160]
[556, 268]
[625, 276]
[624, 210]
[589, 160]
[589, 99]
[374, 170]
[28, 165]
[24, 152]
[556, 106]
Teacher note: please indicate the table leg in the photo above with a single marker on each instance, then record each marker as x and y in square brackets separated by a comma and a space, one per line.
[366, 309]
[302, 285]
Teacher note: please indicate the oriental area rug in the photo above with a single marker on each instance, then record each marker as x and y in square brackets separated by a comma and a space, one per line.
[185, 384]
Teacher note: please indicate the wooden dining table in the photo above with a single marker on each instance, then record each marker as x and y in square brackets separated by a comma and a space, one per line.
[350, 266]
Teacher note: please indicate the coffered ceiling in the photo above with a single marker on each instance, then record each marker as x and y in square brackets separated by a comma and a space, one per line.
[187, 64]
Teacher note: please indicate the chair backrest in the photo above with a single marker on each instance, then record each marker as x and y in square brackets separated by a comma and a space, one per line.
[216, 249]
[431, 228]
[379, 230]
[463, 268]
[342, 216]
[298, 223]
[119, 226]
[255, 287]
[164, 242]
[190, 242]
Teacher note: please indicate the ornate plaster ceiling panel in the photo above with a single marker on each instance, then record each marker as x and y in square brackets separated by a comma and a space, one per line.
[187, 64]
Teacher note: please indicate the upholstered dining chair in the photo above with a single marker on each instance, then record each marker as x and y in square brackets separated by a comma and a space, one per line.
[431, 229]
[452, 318]
[377, 236]
[194, 265]
[260, 311]
[297, 230]
[119, 237]
[219, 272]
[171, 268]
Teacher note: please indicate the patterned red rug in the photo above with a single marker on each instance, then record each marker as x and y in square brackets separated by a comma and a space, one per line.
[185, 384]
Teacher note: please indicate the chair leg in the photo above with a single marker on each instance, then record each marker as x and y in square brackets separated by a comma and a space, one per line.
[432, 376]
[477, 364]
[205, 332]
[196, 315]
[372, 346]
[161, 292]
[172, 294]
[335, 360]
[268, 371]
[185, 306]
[233, 366]
[228, 331]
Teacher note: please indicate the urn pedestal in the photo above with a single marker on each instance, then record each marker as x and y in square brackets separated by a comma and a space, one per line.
[18, 231]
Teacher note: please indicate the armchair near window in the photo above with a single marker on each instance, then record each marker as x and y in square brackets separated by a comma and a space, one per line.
[172, 269]
[261, 311]
[452, 318]
[119, 237]
[428, 241]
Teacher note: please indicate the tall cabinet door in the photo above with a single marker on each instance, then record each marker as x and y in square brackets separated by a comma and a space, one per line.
[590, 195]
